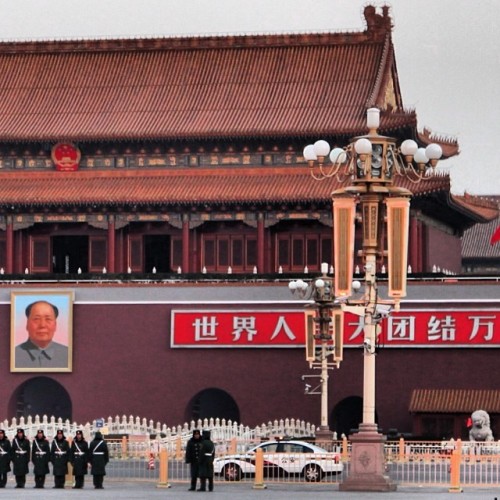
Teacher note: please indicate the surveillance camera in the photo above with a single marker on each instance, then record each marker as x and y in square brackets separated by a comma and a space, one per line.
[383, 310]
[307, 387]
[369, 347]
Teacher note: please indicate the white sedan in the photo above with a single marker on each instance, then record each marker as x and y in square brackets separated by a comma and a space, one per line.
[281, 458]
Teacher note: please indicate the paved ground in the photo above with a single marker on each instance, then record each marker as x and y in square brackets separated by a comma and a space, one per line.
[115, 490]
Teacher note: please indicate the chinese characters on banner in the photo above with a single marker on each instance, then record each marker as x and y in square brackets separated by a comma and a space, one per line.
[215, 328]
[286, 328]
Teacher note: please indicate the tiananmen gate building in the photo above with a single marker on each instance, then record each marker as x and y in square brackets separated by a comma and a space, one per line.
[156, 187]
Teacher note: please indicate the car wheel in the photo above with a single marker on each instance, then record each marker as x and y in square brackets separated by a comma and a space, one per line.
[312, 473]
[232, 472]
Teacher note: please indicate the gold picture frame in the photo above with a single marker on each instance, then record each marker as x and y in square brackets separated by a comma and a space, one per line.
[41, 330]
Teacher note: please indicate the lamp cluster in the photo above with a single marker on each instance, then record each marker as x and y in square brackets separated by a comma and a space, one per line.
[319, 290]
[372, 158]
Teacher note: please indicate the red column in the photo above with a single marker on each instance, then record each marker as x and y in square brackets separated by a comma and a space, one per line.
[414, 246]
[111, 244]
[422, 248]
[185, 244]
[19, 252]
[9, 242]
[119, 265]
[260, 244]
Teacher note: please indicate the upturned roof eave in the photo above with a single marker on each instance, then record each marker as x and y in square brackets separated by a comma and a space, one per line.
[477, 212]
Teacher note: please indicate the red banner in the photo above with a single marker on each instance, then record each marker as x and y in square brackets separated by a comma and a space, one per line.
[286, 328]
[216, 328]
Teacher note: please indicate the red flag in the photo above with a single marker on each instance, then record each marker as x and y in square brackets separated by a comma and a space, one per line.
[496, 236]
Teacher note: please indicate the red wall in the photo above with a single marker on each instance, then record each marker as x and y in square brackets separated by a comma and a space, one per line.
[123, 365]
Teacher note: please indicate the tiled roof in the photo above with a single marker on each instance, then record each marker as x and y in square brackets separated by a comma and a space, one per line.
[267, 86]
[454, 400]
[476, 240]
[186, 186]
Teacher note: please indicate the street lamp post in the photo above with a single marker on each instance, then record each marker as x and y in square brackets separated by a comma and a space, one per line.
[323, 325]
[369, 164]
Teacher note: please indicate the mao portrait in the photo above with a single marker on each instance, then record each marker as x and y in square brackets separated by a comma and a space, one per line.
[41, 331]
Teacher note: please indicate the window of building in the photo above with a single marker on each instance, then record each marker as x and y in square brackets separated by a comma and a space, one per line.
[221, 251]
[295, 251]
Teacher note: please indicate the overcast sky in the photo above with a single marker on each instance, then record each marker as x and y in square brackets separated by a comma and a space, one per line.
[447, 52]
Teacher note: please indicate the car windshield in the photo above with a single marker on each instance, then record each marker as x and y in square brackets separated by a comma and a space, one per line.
[268, 448]
[287, 447]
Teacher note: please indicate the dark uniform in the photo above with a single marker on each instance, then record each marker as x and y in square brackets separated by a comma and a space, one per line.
[207, 455]
[5, 457]
[99, 457]
[79, 457]
[193, 457]
[59, 455]
[40, 456]
[20, 457]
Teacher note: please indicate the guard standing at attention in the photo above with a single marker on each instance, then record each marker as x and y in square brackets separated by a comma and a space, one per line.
[99, 457]
[193, 457]
[79, 457]
[207, 455]
[5, 457]
[20, 457]
[40, 456]
[59, 451]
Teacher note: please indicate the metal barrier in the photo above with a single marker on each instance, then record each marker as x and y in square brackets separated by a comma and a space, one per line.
[453, 465]
[420, 470]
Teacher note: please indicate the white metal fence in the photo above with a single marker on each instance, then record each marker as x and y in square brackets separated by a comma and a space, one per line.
[221, 430]
[137, 448]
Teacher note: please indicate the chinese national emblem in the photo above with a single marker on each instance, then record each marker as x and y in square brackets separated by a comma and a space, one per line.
[66, 157]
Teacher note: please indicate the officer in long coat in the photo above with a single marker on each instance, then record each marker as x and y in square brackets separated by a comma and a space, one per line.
[5, 457]
[193, 457]
[59, 453]
[20, 451]
[79, 457]
[99, 457]
[40, 456]
[206, 468]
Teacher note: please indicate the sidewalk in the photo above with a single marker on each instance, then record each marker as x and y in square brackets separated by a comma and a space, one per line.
[145, 490]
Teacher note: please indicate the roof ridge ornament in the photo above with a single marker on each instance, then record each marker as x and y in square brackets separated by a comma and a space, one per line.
[376, 21]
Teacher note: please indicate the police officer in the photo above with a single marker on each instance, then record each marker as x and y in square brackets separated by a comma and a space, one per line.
[193, 457]
[40, 456]
[79, 457]
[20, 451]
[59, 452]
[206, 468]
[5, 457]
[99, 457]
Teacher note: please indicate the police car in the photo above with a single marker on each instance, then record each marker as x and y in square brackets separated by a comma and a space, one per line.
[281, 458]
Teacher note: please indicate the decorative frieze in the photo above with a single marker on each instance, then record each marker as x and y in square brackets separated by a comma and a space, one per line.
[323, 217]
[27, 163]
[159, 161]
[174, 219]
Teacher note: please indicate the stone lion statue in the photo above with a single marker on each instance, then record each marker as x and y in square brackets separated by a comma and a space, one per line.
[480, 430]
